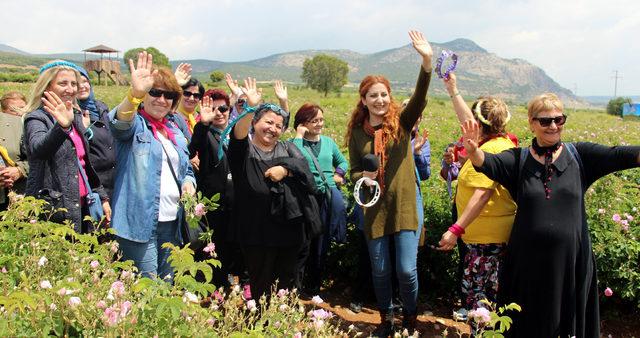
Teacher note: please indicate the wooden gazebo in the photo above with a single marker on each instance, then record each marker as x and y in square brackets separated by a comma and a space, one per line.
[108, 66]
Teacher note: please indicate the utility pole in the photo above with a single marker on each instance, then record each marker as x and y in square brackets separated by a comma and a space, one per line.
[615, 86]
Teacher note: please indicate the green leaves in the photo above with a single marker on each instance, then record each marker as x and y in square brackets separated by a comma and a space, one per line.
[325, 73]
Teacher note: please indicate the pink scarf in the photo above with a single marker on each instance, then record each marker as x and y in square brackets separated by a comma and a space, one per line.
[158, 125]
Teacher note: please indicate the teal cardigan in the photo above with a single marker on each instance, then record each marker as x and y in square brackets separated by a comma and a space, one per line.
[329, 158]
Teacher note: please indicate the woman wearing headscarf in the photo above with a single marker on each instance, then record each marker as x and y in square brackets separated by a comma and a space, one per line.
[56, 147]
[379, 127]
[549, 268]
[95, 117]
[152, 169]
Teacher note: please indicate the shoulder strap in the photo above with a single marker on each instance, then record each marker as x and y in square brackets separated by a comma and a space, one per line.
[576, 156]
[84, 175]
[316, 164]
[173, 172]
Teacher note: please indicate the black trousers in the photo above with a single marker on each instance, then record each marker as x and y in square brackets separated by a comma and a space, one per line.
[266, 265]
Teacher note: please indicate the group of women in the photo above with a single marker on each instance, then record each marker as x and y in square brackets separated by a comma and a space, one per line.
[520, 211]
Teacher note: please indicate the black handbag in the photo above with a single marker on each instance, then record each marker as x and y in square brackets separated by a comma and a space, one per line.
[190, 235]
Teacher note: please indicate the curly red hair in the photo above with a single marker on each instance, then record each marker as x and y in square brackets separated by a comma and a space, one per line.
[391, 123]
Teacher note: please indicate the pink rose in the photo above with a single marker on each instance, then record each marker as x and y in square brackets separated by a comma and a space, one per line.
[45, 284]
[4, 270]
[74, 301]
[481, 315]
[94, 264]
[320, 314]
[251, 305]
[124, 308]
[110, 316]
[101, 304]
[601, 211]
[33, 221]
[210, 248]
[616, 218]
[297, 335]
[608, 292]
[282, 292]
[211, 321]
[316, 300]
[117, 288]
[200, 210]
[62, 292]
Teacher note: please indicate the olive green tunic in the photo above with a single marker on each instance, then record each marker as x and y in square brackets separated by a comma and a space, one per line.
[396, 209]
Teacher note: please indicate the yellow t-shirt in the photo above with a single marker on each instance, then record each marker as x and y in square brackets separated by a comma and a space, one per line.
[493, 225]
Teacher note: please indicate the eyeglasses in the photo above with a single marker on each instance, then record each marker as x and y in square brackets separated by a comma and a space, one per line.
[316, 121]
[241, 101]
[546, 121]
[169, 95]
[222, 108]
[189, 94]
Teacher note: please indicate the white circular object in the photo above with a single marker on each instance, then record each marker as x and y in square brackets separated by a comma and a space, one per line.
[376, 194]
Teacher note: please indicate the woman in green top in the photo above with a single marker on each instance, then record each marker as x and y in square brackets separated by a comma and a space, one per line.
[378, 126]
[328, 167]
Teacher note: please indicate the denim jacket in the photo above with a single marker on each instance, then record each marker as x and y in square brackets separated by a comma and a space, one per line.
[136, 193]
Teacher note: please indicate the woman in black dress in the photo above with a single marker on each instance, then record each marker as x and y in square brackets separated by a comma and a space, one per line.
[549, 268]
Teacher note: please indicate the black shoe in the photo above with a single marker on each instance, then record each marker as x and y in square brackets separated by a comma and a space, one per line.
[409, 323]
[386, 327]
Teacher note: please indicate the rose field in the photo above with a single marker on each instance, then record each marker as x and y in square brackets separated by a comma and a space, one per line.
[55, 282]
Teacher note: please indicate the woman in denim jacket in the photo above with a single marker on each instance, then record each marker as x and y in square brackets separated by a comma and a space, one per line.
[152, 169]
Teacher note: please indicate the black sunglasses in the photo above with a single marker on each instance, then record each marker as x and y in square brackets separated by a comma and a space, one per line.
[222, 108]
[189, 94]
[169, 95]
[546, 121]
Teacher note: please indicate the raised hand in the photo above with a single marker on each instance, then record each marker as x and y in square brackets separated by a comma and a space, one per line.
[142, 75]
[183, 73]
[206, 110]
[254, 95]
[61, 111]
[232, 84]
[281, 90]
[419, 141]
[450, 84]
[420, 44]
[470, 136]
[301, 131]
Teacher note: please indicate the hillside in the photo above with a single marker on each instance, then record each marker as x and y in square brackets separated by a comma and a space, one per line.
[479, 71]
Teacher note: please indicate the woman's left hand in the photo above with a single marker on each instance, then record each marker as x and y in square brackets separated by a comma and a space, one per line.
[277, 173]
[448, 241]
[419, 141]
[106, 207]
[188, 188]
[61, 111]
[281, 90]
[338, 179]
[421, 45]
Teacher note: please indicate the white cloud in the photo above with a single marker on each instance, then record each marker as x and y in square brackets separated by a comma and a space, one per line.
[576, 42]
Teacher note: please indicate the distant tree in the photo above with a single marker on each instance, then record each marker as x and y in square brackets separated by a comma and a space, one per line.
[325, 73]
[158, 57]
[216, 76]
[614, 107]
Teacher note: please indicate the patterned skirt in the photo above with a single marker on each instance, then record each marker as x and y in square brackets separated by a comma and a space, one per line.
[480, 275]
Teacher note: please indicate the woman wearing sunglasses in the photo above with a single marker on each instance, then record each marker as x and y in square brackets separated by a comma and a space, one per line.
[192, 93]
[378, 126]
[56, 146]
[95, 117]
[152, 169]
[549, 267]
[273, 190]
[214, 178]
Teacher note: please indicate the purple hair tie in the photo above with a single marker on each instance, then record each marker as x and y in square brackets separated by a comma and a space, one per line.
[443, 56]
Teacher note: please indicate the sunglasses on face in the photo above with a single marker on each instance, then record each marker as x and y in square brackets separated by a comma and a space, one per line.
[546, 121]
[189, 94]
[169, 95]
[221, 109]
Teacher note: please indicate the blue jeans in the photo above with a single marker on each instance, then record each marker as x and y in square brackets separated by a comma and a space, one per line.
[151, 258]
[406, 243]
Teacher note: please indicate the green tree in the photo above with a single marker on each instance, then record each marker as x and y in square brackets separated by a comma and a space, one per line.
[325, 73]
[614, 107]
[158, 57]
[216, 76]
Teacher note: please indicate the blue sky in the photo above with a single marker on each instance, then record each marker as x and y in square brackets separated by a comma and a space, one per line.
[578, 43]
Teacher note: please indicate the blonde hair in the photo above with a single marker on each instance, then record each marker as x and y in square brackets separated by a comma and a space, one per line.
[45, 78]
[12, 95]
[544, 102]
[494, 111]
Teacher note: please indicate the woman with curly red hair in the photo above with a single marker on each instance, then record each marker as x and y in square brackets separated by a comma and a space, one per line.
[379, 126]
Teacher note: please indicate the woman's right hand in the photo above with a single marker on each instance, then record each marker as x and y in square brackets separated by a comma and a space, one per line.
[448, 241]
[183, 73]
[61, 111]
[371, 175]
[232, 84]
[142, 75]
[206, 110]
[301, 131]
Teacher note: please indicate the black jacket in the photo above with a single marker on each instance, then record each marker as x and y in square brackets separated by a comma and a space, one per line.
[101, 148]
[53, 162]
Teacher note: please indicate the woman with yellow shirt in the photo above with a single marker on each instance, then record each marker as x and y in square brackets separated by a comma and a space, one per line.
[485, 208]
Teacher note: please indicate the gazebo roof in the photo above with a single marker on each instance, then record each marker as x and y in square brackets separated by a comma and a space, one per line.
[100, 49]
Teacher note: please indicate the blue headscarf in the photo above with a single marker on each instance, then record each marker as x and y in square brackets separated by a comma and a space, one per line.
[89, 103]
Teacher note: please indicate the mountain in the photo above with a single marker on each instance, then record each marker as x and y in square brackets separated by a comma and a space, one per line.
[479, 71]
[9, 49]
